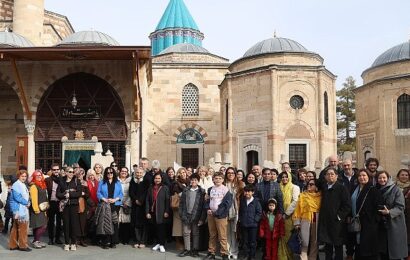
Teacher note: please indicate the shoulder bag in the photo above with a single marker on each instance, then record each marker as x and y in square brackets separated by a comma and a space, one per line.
[355, 226]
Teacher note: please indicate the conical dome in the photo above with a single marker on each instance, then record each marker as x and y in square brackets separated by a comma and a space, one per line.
[176, 26]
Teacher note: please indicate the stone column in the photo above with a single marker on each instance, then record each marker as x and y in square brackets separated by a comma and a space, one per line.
[30, 126]
[128, 156]
[134, 130]
[28, 19]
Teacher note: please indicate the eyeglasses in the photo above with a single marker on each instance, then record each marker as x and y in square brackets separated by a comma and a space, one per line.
[230, 173]
[110, 173]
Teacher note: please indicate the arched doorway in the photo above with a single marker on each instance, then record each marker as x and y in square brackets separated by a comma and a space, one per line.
[13, 135]
[98, 112]
[252, 158]
[190, 148]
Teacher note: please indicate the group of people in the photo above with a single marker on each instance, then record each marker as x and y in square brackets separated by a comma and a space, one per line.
[203, 209]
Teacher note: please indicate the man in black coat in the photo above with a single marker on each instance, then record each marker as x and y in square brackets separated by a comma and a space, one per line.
[335, 207]
[333, 162]
[268, 189]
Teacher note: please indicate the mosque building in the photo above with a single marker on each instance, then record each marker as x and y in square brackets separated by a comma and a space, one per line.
[383, 110]
[67, 96]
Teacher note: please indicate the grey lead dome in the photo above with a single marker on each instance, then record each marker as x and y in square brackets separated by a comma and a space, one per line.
[89, 38]
[274, 45]
[14, 40]
[184, 48]
[397, 53]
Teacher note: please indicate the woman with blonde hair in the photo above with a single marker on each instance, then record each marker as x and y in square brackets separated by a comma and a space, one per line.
[206, 180]
[99, 171]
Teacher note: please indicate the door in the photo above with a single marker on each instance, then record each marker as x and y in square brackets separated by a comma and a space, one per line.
[297, 156]
[190, 157]
[21, 151]
[251, 160]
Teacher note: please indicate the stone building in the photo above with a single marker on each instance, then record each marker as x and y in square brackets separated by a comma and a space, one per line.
[278, 104]
[383, 110]
[173, 101]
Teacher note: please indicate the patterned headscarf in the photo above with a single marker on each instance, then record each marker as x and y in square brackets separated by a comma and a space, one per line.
[40, 183]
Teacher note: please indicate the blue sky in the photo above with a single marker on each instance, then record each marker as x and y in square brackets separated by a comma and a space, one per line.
[348, 34]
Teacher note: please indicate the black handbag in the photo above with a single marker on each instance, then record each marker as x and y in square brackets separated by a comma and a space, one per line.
[354, 225]
[295, 242]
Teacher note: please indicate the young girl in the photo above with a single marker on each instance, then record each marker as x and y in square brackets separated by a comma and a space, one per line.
[272, 227]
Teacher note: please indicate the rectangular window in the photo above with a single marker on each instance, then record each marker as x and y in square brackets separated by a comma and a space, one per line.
[47, 153]
[227, 115]
[297, 156]
[118, 151]
[190, 157]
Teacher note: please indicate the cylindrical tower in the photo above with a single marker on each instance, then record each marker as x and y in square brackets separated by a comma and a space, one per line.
[28, 18]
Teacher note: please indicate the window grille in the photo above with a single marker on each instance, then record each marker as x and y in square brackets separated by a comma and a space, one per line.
[403, 111]
[190, 100]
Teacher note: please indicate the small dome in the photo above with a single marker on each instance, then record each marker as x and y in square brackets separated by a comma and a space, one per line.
[184, 48]
[14, 40]
[397, 53]
[274, 45]
[89, 38]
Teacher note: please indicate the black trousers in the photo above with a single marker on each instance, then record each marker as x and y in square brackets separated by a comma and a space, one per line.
[71, 224]
[54, 221]
[112, 239]
[140, 235]
[337, 249]
[249, 235]
[125, 232]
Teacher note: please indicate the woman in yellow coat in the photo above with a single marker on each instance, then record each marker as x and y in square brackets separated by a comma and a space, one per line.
[305, 218]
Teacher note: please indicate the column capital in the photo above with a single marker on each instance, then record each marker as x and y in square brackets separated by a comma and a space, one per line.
[30, 126]
[127, 148]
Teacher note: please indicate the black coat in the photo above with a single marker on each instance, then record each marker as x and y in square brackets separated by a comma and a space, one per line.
[162, 204]
[74, 188]
[250, 215]
[335, 207]
[198, 212]
[138, 191]
[369, 219]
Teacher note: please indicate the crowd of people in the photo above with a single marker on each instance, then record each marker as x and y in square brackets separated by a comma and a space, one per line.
[361, 210]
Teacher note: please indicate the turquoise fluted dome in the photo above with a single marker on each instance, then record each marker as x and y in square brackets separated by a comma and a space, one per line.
[177, 16]
[176, 26]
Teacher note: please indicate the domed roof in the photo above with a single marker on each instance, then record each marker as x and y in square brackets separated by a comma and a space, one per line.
[397, 53]
[89, 38]
[11, 39]
[177, 16]
[184, 48]
[274, 45]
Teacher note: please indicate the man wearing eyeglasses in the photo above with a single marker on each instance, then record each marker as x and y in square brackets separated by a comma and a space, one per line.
[53, 213]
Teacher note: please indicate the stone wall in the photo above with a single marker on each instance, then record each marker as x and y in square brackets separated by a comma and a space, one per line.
[164, 112]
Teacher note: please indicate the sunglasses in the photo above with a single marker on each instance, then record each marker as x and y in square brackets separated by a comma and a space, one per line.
[110, 173]
[114, 165]
[70, 172]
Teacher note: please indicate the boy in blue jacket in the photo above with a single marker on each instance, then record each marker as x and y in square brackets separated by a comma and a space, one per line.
[250, 213]
[217, 205]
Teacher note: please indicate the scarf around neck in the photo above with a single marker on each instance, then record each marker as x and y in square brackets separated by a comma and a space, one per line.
[403, 185]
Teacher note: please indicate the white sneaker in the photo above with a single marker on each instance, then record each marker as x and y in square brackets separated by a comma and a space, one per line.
[73, 247]
[162, 249]
[155, 248]
[66, 247]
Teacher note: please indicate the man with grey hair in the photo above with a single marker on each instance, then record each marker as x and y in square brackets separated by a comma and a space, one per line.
[144, 164]
[333, 162]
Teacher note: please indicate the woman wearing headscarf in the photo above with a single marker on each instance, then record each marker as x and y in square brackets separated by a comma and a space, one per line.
[39, 202]
[19, 204]
[392, 238]
[290, 193]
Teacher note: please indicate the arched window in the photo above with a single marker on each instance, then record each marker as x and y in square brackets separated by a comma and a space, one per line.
[190, 100]
[326, 108]
[403, 111]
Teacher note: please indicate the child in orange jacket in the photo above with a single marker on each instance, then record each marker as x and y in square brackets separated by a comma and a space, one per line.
[271, 228]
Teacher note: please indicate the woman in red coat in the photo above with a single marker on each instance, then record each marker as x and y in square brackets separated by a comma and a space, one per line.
[271, 228]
